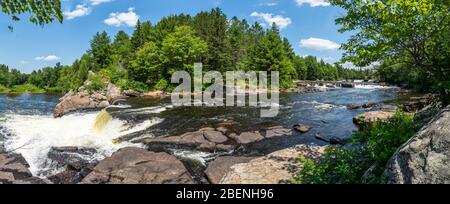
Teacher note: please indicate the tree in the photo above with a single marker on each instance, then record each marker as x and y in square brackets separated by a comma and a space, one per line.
[101, 51]
[417, 30]
[211, 27]
[141, 35]
[146, 67]
[40, 12]
[123, 48]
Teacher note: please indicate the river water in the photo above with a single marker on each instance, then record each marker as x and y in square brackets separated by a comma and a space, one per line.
[27, 126]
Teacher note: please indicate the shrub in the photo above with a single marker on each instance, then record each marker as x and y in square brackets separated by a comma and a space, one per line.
[133, 85]
[162, 85]
[26, 88]
[377, 143]
[97, 83]
[3, 89]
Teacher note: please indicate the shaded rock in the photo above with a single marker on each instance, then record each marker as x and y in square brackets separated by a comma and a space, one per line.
[372, 116]
[138, 166]
[190, 140]
[348, 85]
[336, 141]
[319, 137]
[302, 128]
[221, 165]
[14, 170]
[277, 167]
[425, 158]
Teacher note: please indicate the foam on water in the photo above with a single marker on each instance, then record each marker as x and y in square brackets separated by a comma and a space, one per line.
[34, 135]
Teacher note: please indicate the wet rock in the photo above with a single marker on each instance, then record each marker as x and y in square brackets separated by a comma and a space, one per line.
[114, 93]
[370, 105]
[319, 137]
[73, 103]
[190, 140]
[354, 106]
[247, 137]
[348, 85]
[372, 116]
[71, 156]
[277, 167]
[302, 128]
[336, 141]
[277, 131]
[14, 170]
[424, 159]
[138, 166]
[305, 89]
[221, 165]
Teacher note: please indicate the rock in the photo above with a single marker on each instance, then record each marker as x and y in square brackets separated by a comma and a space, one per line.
[113, 93]
[14, 170]
[425, 158]
[354, 106]
[191, 140]
[277, 167]
[103, 104]
[336, 141]
[71, 156]
[221, 165]
[370, 105]
[215, 136]
[248, 137]
[277, 131]
[139, 166]
[372, 116]
[348, 85]
[319, 137]
[132, 93]
[302, 128]
[73, 103]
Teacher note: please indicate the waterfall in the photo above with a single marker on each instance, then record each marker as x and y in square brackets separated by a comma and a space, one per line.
[102, 119]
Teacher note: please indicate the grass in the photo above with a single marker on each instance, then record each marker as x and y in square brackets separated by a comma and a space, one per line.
[26, 88]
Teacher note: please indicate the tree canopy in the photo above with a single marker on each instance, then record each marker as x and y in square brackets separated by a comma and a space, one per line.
[40, 12]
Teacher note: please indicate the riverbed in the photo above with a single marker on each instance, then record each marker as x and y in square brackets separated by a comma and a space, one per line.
[28, 128]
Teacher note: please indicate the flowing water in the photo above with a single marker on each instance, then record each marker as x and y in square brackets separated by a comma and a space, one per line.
[27, 126]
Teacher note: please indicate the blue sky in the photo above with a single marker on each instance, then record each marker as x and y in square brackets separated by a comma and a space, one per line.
[308, 24]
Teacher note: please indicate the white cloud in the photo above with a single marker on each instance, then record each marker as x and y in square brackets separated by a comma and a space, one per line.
[97, 2]
[319, 44]
[269, 4]
[117, 19]
[47, 58]
[313, 3]
[24, 62]
[269, 19]
[80, 10]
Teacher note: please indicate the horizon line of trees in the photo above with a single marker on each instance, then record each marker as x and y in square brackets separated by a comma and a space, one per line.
[146, 59]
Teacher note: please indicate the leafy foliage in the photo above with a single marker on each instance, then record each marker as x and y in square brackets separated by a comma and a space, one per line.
[41, 12]
[372, 149]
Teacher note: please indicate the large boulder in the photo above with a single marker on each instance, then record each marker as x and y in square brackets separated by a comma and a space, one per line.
[83, 99]
[424, 159]
[275, 168]
[372, 116]
[14, 170]
[221, 165]
[138, 166]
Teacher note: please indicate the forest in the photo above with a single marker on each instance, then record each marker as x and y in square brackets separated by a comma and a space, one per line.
[146, 59]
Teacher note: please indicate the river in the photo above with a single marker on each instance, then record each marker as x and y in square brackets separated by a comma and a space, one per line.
[27, 126]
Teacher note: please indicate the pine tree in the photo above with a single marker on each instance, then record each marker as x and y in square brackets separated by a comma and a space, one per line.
[101, 51]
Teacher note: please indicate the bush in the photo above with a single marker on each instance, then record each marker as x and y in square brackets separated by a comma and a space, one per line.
[162, 85]
[55, 90]
[3, 89]
[97, 83]
[26, 88]
[377, 143]
[133, 85]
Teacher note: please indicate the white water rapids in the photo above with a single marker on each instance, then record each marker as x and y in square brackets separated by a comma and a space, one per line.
[34, 135]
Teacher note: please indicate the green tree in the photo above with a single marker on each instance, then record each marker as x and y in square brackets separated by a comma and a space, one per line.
[101, 51]
[123, 48]
[40, 12]
[141, 35]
